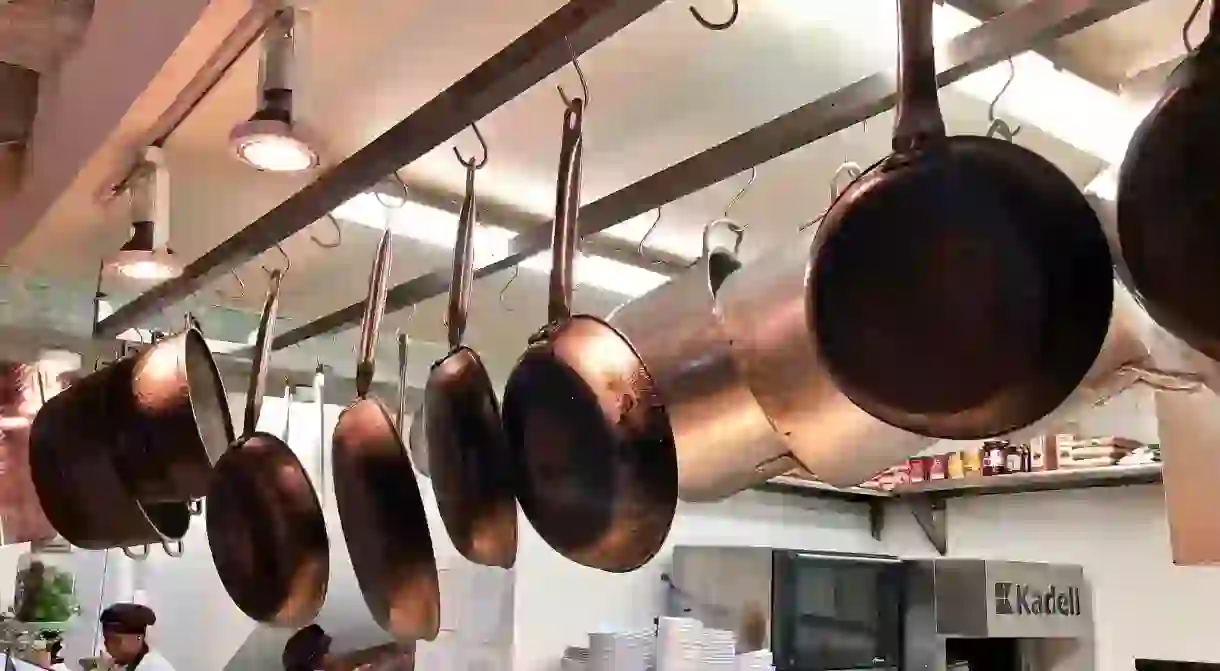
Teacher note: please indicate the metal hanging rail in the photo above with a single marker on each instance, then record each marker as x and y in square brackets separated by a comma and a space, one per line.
[572, 29]
[1005, 36]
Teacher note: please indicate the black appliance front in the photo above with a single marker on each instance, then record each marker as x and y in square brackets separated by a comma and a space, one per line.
[836, 611]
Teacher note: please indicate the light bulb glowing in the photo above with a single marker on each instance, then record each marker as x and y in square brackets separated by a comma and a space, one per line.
[147, 269]
[276, 153]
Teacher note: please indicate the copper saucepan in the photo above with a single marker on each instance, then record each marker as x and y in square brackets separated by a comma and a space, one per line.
[725, 442]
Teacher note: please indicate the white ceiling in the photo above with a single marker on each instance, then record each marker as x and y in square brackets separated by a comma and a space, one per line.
[661, 90]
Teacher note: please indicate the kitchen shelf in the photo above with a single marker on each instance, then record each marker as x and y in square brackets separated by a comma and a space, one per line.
[927, 499]
[1068, 478]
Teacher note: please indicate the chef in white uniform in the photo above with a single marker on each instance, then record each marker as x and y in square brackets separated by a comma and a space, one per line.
[124, 632]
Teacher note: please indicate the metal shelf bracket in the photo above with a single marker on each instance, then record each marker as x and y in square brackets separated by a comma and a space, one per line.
[933, 518]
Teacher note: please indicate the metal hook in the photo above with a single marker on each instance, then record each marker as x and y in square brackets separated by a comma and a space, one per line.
[509, 283]
[729, 208]
[338, 234]
[999, 126]
[1194, 13]
[584, 84]
[241, 287]
[728, 23]
[472, 163]
[402, 186]
[639, 248]
[287, 262]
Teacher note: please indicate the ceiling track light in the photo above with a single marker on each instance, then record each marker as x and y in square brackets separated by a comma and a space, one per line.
[146, 255]
[270, 141]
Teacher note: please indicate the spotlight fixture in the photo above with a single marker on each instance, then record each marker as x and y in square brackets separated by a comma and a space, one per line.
[146, 256]
[269, 141]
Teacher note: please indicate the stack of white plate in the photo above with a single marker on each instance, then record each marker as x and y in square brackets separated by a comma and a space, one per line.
[679, 644]
[619, 651]
[575, 659]
[759, 660]
[719, 649]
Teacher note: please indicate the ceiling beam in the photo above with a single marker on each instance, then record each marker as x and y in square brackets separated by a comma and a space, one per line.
[986, 10]
[1014, 32]
[549, 46]
[130, 66]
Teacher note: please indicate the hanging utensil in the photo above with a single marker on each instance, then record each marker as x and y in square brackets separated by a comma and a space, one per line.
[724, 441]
[417, 439]
[960, 290]
[468, 455]
[380, 507]
[592, 442]
[264, 521]
[319, 394]
[1167, 208]
[166, 417]
[76, 477]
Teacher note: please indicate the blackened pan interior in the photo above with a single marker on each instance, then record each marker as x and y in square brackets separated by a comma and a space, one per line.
[267, 534]
[963, 293]
[471, 466]
[599, 487]
[1169, 204]
[384, 523]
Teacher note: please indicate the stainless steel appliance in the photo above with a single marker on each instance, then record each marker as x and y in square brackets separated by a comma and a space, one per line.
[824, 611]
[974, 614]
[816, 611]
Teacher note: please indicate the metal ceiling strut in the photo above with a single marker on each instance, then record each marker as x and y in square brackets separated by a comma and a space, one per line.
[1005, 36]
[520, 65]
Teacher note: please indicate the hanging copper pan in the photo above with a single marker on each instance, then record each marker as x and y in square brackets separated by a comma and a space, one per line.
[177, 423]
[78, 483]
[264, 521]
[725, 442]
[597, 472]
[382, 512]
[962, 289]
[468, 455]
[1167, 205]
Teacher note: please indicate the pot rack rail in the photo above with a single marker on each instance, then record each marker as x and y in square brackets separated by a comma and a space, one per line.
[570, 31]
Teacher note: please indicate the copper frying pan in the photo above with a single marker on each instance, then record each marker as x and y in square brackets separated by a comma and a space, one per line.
[264, 521]
[597, 472]
[468, 455]
[380, 507]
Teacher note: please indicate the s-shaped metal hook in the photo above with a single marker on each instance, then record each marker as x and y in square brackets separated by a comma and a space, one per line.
[474, 164]
[584, 84]
[711, 25]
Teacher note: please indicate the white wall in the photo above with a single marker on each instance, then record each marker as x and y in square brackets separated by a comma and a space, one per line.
[1144, 605]
[559, 602]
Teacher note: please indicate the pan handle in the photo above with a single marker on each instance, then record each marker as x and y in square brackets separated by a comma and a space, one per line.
[374, 310]
[262, 351]
[174, 548]
[567, 206]
[463, 257]
[137, 556]
[319, 386]
[919, 119]
[401, 413]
